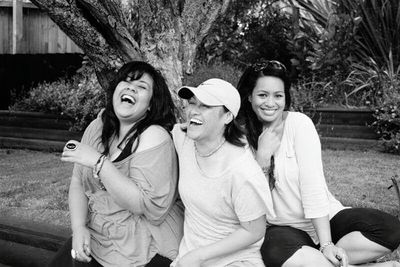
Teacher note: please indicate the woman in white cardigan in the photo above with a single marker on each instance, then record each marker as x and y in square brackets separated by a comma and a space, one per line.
[312, 228]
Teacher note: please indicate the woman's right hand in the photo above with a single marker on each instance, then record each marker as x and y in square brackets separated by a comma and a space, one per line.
[336, 255]
[269, 142]
[81, 243]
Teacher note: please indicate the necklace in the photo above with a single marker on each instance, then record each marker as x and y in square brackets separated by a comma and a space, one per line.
[209, 153]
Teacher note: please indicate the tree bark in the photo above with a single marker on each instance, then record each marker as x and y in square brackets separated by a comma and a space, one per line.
[164, 33]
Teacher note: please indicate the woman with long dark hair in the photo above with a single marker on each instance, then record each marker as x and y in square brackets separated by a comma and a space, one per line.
[123, 189]
[311, 228]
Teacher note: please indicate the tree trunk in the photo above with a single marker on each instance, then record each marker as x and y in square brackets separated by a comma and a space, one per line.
[164, 33]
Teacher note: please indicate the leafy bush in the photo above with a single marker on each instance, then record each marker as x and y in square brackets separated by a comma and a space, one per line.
[323, 45]
[355, 44]
[308, 93]
[204, 71]
[387, 122]
[370, 82]
[79, 98]
[250, 30]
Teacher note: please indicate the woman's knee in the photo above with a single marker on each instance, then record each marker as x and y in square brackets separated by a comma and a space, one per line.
[307, 257]
[394, 237]
[377, 226]
[388, 234]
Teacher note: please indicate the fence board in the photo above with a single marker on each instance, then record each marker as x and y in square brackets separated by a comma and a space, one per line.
[5, 30]
[40, 34]
[17, 26]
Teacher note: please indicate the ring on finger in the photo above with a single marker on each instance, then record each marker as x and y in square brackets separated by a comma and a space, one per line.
[73, 253]
[71, 146]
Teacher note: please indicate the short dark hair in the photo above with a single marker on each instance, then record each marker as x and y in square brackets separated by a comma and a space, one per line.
[246, 85]
[162, 108]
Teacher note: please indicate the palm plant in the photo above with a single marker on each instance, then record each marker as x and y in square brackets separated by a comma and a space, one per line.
[379, 30]
[376, 54]
[378, 22]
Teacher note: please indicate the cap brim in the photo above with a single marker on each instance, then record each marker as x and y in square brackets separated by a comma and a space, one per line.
[202, 95]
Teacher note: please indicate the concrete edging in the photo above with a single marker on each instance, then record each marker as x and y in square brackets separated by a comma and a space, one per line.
[24, 243]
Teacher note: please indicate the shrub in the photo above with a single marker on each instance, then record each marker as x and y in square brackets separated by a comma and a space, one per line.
[387, 122]
[79, 98]
[307, 93]
[357, 43]
[248, 31]
[204, 71]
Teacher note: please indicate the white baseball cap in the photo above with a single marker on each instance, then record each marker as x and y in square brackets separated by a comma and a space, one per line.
[214, 92]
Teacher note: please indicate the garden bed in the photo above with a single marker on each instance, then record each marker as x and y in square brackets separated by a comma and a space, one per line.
[338, 129]
[35, 130]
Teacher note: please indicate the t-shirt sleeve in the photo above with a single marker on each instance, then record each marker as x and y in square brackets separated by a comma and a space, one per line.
[178, 136]
[313, 187]
[250, 202]
[155, 173]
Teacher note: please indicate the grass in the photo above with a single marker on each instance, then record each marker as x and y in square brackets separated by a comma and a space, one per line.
[34, 184]
[361, 179]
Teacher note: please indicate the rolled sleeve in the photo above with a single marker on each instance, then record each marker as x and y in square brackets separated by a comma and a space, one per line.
[313, 188]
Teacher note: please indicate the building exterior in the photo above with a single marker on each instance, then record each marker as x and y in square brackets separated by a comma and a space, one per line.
[24, 29]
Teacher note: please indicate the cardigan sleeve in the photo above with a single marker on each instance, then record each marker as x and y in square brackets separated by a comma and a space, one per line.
[313, 187]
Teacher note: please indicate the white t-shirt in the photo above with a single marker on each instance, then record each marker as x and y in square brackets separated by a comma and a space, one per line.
[301, 192]
[214, 206]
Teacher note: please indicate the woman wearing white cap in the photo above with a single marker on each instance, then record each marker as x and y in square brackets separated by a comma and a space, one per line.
[220, 183]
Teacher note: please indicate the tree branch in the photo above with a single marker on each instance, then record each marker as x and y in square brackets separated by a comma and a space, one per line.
[197, 19]
[104, 16]
[70, 19]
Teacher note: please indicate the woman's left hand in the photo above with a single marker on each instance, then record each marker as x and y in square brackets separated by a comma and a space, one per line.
[336, 255]
[80, 153]
[190, 259]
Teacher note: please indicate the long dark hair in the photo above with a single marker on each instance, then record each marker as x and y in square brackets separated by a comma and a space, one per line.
[234, 133]
[162, 109]
[247, 82]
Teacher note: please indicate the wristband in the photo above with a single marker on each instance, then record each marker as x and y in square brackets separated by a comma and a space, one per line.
[325, 245]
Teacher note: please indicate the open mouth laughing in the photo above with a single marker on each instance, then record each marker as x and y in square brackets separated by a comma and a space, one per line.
[128, 99]
[195, 122]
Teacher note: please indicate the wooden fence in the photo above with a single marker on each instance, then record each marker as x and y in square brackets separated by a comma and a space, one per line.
[24, 29]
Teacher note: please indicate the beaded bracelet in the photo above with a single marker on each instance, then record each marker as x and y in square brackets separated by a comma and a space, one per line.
[325, 245]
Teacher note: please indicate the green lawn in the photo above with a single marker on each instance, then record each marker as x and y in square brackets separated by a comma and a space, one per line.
[34, 184]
